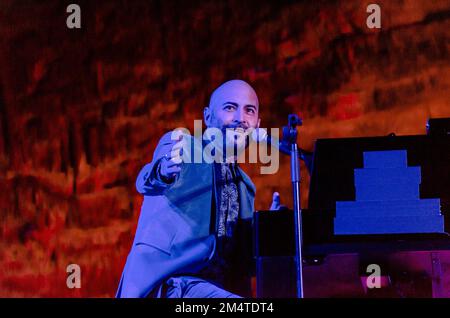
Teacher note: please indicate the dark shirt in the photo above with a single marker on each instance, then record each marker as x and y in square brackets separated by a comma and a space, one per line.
[224, 220]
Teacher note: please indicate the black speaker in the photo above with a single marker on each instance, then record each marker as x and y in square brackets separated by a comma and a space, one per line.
[275, 277]
[274, 250]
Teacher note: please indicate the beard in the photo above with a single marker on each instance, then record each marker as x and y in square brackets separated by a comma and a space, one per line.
[235, 138]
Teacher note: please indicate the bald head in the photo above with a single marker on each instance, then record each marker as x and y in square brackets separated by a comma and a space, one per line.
[234, 90]
[233, 104]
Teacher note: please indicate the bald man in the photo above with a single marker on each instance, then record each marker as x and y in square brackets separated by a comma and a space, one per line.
[193, 238]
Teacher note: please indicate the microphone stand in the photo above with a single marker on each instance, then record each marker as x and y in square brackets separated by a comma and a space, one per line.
[290, 137]
[304, 155]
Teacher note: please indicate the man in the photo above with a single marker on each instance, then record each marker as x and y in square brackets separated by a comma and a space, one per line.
[194, 233]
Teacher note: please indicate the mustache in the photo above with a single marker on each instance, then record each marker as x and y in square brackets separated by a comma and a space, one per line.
[244, 127]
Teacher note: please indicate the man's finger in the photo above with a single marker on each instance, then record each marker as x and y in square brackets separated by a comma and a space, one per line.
[173, 169]
[178, 136]
[171, 163]
[177, 151]
[177, 147]
[275, 201]
[176, 158]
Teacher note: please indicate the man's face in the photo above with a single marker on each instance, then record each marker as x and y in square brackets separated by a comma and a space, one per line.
[233, 105]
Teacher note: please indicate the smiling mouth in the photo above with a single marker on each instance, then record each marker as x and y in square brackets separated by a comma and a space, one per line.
[239, 129]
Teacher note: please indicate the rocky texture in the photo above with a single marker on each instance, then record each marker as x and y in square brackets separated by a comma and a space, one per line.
[82, 110]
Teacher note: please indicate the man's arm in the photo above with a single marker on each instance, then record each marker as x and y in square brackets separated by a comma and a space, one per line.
[150, 179]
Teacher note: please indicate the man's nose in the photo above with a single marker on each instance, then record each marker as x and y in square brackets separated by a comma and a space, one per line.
[239, 116]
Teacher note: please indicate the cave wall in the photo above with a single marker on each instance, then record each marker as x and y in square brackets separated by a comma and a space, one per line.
[81, 110]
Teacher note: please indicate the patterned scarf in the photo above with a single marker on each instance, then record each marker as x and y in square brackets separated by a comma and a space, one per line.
[229, 200]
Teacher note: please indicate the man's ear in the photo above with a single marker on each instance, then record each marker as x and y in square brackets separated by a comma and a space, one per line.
[207, 116]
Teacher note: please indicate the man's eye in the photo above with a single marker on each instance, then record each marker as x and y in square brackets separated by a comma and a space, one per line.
[229, 107]
[251, 111]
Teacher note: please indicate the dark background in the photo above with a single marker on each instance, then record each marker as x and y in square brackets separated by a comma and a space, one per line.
[82, 110]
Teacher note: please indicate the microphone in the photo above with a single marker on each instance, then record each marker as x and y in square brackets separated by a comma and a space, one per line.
[260, 135]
